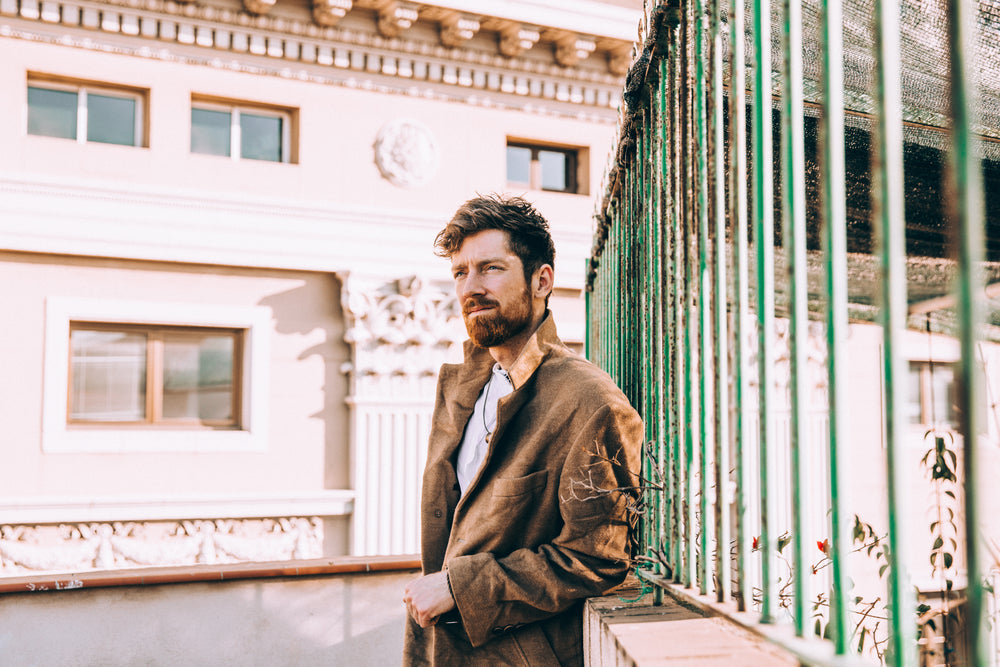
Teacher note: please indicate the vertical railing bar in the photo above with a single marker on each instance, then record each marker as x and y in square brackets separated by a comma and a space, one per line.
[966, 213]
[890, 217]
[738, 217]
[704, 291]
[687, 273]
[648, 306]
[794, 227]
[680, 407]
[835, 257]
[763, 195]
[664, 359]
[722, 506]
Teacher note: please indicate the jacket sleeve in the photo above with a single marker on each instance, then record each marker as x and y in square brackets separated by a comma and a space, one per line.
[589, 556]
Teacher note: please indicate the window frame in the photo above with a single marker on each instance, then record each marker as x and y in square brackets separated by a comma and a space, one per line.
[59, 435]
[575, 165]
[83, 89]
[235, 109]
[155, 338]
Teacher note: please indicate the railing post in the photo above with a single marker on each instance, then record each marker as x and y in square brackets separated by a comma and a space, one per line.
[793, 223]
[741, 309]
[889, 218]
[835, 257]
[965, 213]
[723, 514]
[763, 198]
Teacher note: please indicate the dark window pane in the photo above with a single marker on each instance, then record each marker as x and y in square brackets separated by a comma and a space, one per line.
[198, 377]
[553, 170]
[111, 120]
[210, 132]
[944, 399]
[912, 405]
[52, 113]
[109, 376]
[518, 164]
[260, 137]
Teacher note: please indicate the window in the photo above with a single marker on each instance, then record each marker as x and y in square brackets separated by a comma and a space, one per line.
[148, 376]
[933, 396]
[247, 133]
[545, 167]
[86, 112]
[181, 376]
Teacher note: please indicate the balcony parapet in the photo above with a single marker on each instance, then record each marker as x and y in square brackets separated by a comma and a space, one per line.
[63, 534]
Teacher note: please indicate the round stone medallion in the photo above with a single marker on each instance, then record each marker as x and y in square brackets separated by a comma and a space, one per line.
[406, 153]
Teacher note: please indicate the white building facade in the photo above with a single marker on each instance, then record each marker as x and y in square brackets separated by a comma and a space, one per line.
[225, 316]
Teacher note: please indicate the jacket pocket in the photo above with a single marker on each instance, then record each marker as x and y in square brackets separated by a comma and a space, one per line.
[508, 487]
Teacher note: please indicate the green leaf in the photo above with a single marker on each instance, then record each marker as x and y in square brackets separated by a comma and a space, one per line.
[882, 569]
[948, 559]
[784, 541]
[818, 628]
[950, 494]
[938, 543]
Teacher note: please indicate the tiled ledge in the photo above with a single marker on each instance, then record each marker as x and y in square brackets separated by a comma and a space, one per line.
[201, 573]
[622, 632]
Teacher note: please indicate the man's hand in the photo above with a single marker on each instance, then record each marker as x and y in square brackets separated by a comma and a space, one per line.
[428, 597]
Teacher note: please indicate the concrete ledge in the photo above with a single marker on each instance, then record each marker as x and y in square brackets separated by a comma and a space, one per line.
[622, 632]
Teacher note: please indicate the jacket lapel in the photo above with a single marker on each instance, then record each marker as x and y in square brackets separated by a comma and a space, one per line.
[520, 373]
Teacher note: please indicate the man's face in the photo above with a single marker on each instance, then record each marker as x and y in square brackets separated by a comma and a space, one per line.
[489, 282]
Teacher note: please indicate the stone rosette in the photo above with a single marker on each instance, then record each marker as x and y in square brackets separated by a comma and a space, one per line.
[406, 153]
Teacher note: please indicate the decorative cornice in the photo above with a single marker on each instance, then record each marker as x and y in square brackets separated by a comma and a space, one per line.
[319, 49]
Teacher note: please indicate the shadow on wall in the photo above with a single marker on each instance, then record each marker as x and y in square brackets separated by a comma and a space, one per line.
[302, 311]
[352, 620]
[310, 320]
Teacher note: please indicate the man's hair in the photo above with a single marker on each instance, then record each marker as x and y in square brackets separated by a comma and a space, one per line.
[528, 234]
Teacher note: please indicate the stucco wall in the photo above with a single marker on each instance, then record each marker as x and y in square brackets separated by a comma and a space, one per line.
[306, 440]
[352, 620]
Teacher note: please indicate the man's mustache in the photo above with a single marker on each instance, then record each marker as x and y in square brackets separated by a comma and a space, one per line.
[472, 303]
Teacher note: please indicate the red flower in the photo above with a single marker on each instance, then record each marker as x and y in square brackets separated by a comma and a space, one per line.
[756, 543]
[823, 546]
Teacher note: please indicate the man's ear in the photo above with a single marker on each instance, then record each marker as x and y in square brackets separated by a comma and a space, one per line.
[542, 281]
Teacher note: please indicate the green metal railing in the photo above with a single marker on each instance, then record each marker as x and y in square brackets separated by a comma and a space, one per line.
[686, 326]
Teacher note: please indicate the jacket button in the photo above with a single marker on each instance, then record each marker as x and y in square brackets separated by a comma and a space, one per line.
[437, 514]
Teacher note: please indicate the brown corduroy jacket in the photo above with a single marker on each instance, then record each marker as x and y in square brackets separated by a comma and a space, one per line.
[545, 523]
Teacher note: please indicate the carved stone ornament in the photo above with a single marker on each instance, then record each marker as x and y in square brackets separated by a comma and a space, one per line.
[259, 7]
[406, 153]
[78, 547]
[327, 12]
[572, 49]
[393, 18]
[515, 40]
[400, 333]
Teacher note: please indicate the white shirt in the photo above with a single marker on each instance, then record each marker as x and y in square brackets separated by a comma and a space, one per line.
[482, 423]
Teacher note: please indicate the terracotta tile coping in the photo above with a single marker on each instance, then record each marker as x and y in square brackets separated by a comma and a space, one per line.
[199, 573]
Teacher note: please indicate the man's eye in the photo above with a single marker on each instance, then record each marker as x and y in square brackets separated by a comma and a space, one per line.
[494, 267]
[458, 274]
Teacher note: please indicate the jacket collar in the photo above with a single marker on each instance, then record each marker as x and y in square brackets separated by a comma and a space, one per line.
[527, 362]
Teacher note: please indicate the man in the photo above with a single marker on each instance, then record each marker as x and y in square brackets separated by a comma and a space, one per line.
[530, 467]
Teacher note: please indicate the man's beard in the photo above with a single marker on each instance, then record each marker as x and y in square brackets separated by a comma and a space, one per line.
[500, 325]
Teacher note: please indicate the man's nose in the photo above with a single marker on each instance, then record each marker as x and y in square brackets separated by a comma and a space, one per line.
[472, 285]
